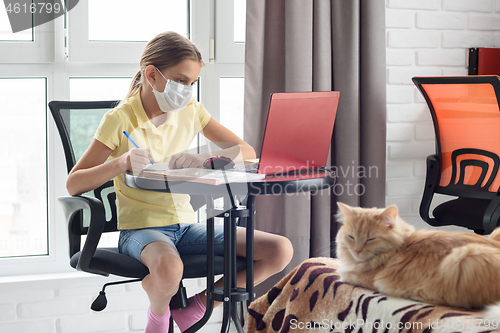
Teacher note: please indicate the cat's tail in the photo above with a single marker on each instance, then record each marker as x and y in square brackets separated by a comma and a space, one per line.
[492, 313]
[473, 271]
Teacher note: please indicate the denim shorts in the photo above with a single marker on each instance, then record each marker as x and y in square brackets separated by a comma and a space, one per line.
[186, 238]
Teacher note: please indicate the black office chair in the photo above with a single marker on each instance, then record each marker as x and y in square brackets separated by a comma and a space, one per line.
[76, 123]
[466, 115]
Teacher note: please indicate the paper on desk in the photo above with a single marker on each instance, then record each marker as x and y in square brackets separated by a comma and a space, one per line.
[208, 176]
[161, 166]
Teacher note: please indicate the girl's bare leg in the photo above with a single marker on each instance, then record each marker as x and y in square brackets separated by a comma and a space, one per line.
[165, 267]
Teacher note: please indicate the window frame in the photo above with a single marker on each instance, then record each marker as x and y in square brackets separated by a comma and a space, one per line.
[227, 51]
[80, 49]
[58, 63]
[229, 57]
[51, 262]
[41, 50]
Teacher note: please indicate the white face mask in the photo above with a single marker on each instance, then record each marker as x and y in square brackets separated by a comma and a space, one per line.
[175, 97]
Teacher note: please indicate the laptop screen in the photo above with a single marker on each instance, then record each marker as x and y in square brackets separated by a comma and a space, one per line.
[298, 131]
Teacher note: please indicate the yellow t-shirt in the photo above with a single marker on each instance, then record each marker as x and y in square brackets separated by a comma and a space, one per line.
[142, 209]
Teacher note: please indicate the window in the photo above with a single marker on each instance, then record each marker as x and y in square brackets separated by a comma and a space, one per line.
[240, 20]
[23, 194]
[92, 53]
[98, 88]
[224, 89]
[135, 21]
[231, 103]
[35, 45]
[116, 31]
[229, 46]
[6, 32]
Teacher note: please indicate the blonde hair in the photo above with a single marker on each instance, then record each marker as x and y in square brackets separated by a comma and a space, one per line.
[165, 50]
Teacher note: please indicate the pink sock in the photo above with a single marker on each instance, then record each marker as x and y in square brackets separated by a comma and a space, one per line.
[157, 324]
[186, 317]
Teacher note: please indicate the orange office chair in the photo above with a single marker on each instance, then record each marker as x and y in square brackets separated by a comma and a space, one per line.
[466, 115]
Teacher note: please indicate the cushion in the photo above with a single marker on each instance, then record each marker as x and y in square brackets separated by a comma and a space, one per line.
[312, 298]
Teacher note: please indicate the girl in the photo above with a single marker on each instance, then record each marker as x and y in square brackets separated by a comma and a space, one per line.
[159, 113]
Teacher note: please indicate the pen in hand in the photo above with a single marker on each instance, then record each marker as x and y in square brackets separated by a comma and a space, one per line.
[133, 142]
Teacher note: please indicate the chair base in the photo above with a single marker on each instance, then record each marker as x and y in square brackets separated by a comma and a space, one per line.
[178, 301]
[122, 265]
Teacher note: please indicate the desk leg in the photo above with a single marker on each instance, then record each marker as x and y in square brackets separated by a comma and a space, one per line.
[234, 303]
[228, 272]
[249, 247]
[210, 270]
[236, 319]
[231, 295]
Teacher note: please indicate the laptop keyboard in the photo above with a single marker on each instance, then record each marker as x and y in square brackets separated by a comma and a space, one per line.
[251, 168]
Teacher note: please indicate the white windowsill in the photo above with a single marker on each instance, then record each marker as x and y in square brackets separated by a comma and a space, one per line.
[61, 279]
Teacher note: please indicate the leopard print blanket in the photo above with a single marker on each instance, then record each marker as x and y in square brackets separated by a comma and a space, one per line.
[311, 298]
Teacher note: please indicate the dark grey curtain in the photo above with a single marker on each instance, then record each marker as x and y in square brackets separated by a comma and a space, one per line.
[319, 45]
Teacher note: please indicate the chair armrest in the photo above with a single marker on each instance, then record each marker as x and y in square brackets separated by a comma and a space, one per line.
[491, 215]
[431, 181]
[72, 205]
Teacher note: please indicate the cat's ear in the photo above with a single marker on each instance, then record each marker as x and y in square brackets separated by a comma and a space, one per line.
[389, 215]
[346, 210]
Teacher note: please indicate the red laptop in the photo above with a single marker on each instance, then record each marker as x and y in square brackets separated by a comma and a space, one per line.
[298, 132]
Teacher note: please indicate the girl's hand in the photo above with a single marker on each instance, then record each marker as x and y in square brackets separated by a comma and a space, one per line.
[185, 160]
[136, 159]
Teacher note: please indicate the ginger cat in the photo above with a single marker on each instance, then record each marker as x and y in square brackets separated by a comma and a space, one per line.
[377, 250]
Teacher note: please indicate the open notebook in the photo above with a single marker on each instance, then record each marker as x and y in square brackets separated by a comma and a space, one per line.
[207, 176]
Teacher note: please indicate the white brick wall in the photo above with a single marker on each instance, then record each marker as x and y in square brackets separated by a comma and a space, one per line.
[441, 20]
[414, 4]
[60, 303]
[425, 37]
[485, 6]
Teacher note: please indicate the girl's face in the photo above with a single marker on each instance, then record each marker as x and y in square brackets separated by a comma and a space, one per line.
[186, 72]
